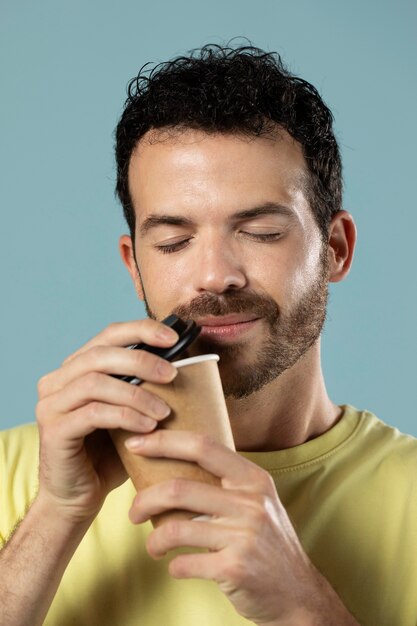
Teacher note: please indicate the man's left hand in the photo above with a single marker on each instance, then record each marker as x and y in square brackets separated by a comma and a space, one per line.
[253, 553]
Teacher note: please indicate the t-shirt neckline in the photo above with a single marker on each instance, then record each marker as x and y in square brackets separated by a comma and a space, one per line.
[313, 450]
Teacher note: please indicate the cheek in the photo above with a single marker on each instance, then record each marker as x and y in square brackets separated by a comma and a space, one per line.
[164, 281]
[307, 268]
[296, 271]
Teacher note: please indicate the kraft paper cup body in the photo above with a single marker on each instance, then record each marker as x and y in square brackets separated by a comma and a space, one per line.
[197, 403]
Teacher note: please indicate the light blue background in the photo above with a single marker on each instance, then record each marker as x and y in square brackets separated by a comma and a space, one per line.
[64, 69]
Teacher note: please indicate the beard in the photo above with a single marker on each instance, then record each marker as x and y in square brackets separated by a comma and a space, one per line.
[246, 368]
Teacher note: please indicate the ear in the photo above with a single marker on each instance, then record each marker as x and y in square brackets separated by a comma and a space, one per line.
[341, 245]
[126, 252]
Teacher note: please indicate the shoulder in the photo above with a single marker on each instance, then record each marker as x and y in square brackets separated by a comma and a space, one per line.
[375, 428]
[19, 454]
[386, 445]
[19, 444]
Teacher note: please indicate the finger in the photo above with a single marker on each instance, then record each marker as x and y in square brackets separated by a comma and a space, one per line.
[148, 331]
[77, 425]
[204, 566]
[98, 415]
[96, 387]
[109, 360]
[233, 470]
[178, 533]
[189, 495]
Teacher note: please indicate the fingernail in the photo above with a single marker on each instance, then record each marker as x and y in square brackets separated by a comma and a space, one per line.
[166, 370]
[134, 443]
[150, 423]
[167, 333]
[160, 409]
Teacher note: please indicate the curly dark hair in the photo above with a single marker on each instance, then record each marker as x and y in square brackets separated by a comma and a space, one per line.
[233, 90]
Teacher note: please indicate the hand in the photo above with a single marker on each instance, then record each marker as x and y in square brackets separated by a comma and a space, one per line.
[253, 551]
[80, 400]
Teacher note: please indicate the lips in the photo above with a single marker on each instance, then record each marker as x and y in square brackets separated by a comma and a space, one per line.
[227, 320]
[226, 328]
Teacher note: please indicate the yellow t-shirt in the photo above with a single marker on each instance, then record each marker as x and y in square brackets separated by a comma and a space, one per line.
[351, 494]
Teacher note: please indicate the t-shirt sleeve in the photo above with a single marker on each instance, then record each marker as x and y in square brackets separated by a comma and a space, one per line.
[2, 494]
[18, 476]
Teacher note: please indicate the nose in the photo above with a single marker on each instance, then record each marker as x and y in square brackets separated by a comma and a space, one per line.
[217, 267]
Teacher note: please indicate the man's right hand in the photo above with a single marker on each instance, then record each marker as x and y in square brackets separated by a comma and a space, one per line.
[78, 403]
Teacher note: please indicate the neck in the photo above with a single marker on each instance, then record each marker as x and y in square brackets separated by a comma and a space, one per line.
[288, 411]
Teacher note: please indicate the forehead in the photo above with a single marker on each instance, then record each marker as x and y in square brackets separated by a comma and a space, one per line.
[193, 169]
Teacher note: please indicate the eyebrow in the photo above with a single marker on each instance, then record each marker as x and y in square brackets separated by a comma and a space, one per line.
[268, 208]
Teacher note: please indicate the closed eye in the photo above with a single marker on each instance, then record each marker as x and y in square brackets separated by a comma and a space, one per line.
[180, 245]
[173, 247]
[263, 236]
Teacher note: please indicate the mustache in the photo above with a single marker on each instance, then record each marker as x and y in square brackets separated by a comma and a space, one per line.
[233, 302]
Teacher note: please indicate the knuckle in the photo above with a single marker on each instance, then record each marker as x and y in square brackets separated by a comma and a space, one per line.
[41, 411]
[139, 357]
[258, 510]
[108, 332]
[172, 529]
[235, 571]
[128, 417]
[93, 410]
[202, 444]
[124, 413]
[136, 395]
[91, 381]
[47, 439]
[42, 385]
[95, 354]
[177, 487]
[112, 328]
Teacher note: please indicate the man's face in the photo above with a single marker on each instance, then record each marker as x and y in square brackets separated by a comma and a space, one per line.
[225, 236]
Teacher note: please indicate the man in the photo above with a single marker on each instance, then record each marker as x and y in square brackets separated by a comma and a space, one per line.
[230, 179]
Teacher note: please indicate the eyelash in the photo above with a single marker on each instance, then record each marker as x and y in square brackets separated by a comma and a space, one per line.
[174, 247]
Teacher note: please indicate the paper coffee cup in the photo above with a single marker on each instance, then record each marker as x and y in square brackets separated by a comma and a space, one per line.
[197, 403]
